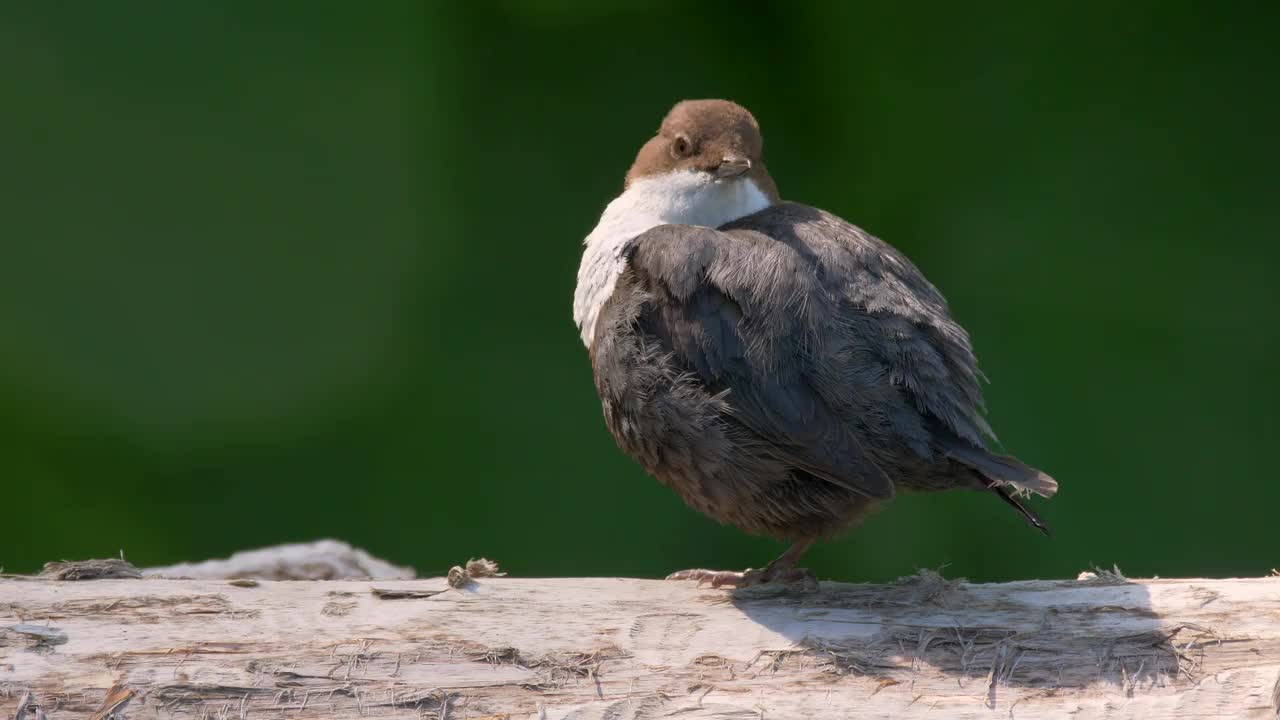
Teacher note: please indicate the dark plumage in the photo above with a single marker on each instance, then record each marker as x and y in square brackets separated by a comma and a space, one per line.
[787, 371]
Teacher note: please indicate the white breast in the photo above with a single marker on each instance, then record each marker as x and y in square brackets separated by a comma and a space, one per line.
[680, 198]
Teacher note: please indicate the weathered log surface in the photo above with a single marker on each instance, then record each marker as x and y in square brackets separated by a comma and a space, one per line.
[619, 649]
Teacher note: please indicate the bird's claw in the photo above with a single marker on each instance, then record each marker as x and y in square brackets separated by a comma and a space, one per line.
[746, 578]
[716, 578]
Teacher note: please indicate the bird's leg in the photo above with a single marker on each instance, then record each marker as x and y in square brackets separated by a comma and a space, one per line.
[784, 567]
[783, 570]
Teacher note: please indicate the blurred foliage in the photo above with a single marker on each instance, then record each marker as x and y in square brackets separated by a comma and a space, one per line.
[271, 272]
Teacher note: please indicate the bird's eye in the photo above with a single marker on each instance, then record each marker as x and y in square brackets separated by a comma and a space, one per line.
[681, 147]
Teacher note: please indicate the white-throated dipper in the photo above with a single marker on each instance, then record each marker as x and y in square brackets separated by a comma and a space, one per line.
[779, 368]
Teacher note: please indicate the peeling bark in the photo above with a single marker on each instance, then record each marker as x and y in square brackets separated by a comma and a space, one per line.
[619, 649]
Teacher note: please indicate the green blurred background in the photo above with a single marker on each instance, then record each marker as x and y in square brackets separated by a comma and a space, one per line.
[272, 272]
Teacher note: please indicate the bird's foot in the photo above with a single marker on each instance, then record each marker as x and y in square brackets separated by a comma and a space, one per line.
[716, 578]
[747, 578]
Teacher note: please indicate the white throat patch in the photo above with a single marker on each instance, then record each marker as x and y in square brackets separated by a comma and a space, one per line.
[685, 197]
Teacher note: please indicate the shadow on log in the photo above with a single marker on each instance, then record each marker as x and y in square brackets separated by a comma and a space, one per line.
[1101, 646]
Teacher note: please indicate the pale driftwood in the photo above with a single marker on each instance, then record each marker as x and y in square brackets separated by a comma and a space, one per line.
[618, 649]
[318, 560]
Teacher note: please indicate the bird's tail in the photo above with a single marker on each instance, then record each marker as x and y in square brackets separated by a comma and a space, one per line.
[1026, 512]
[1008, 477]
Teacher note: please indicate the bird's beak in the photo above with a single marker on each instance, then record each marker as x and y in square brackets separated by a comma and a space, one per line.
[732, 166]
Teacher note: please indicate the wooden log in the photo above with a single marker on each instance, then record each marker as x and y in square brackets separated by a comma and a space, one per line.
[623, 649]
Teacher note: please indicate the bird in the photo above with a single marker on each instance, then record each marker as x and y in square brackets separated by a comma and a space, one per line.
[782, 370]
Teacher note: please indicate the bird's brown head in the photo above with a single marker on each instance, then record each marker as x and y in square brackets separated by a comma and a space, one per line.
[716, 137]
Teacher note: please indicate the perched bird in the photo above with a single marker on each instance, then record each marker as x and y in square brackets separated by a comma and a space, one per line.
[779, 368]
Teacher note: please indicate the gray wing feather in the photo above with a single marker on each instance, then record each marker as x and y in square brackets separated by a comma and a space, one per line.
[892, 309]
[741, 312]
[823, 336]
